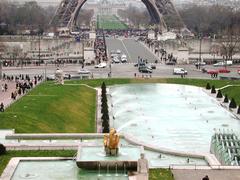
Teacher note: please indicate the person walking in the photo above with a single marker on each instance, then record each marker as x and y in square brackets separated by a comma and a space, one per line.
[2, 88]
[1, 107]
[5, 87]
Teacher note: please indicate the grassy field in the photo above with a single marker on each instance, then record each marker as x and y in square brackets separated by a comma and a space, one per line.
[4, 159]
[160, 174]
[60, 109]
[110, 22]
[51, 108]
[233, 92]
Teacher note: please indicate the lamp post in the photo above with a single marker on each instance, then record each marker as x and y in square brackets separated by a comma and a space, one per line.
[39, 48]
[0, 66]
[200, 51]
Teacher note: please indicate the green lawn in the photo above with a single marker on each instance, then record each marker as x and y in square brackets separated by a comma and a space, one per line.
[233, 92]
[4, 159]
[51, 108]
[160, 174]
[110, 22]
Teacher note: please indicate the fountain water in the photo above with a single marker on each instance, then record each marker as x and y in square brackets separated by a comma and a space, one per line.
[99, 169]
[108, 170]
[124, 169]
[116, 169]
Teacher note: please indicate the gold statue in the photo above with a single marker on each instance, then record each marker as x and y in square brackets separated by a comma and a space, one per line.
[111, 142]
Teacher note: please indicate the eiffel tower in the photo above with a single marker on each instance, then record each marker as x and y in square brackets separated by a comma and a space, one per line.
[68, 10]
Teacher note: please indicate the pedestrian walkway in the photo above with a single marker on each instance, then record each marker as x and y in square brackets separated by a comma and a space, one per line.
[212, 174]
[5, 97]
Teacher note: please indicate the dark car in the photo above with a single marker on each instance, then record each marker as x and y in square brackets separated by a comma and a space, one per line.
[153, 66]
[170, 63]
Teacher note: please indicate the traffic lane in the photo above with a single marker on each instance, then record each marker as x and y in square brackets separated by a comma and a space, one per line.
[161, 71]
[136, 50]
[118, 70]
[114, 45]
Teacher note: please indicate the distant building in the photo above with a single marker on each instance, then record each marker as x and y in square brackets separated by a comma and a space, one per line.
[105, 7]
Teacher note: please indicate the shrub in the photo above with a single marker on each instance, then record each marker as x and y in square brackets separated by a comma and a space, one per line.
[106, 129]
[219, 94]
[103, 87]
[238, 111]
[2, 149]
[213, 91]
[233, 104]
[226, 99]
[104, 98]
[208, 86]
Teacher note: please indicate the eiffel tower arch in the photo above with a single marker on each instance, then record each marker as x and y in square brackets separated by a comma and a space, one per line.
[68, 10]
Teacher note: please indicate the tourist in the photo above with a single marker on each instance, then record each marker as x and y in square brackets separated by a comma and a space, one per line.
[2, 88]
[1, 107]
[12, 96]
[5, 87]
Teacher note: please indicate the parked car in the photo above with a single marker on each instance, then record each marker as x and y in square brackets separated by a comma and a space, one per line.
[225, 63]
[170, 63]
[179, 71]
[123, 58]
[84, 71]
[224, 71]
[200, 63]
[212, 71]
[101, 65]
[119, 51]
[145, 69]
[50, 77]
[153, 66]
[115, 59]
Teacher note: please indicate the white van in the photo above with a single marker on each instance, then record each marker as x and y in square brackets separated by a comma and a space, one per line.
[179, 71]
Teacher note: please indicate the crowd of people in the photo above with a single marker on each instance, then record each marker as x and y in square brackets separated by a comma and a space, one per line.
[100, 49]
[23, 84]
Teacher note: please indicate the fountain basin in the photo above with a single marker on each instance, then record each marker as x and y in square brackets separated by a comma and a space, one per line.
[94, 157]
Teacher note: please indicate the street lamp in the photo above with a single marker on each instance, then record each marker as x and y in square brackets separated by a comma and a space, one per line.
[200, 51]
[0, 66]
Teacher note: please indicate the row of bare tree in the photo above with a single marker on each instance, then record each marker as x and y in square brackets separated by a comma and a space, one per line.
[31, 16]
[210, 20]
[207, 20]
[135, 16]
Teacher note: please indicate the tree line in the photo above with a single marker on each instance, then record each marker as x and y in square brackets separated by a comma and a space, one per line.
[207, 20]
[31, 16]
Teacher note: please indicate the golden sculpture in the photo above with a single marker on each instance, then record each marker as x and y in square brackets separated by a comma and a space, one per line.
[111, 142]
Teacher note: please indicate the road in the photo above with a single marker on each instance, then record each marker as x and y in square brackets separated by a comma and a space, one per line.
[132, 49]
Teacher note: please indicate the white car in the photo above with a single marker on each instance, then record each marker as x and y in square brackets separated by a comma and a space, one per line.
[123, 58]
[50, 77]
[84, 71]
[200, 63]
[179, 71]
[101, 65]
[116, 59]
[226, 63]
[119, 51]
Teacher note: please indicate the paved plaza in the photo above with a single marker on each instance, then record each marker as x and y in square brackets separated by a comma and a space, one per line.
[212, 174]
[5, 97]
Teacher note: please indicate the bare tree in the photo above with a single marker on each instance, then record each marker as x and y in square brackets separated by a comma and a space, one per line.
[230, 42]
[2, 50]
